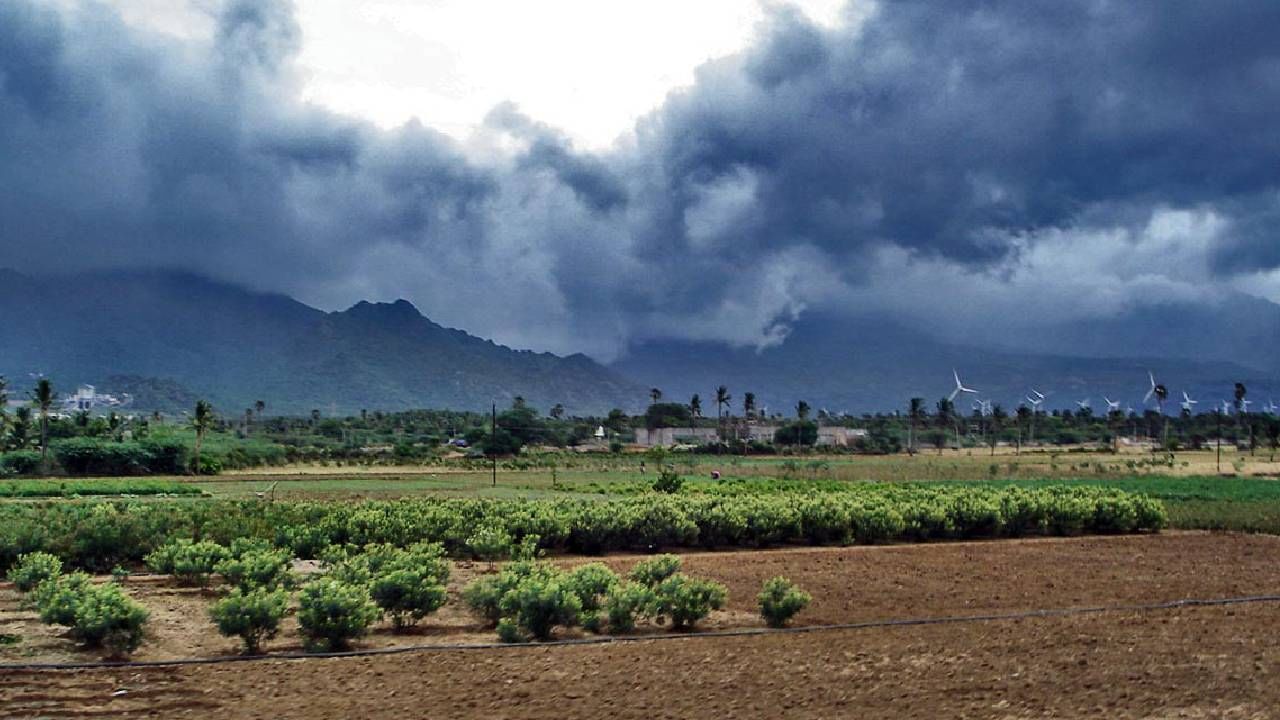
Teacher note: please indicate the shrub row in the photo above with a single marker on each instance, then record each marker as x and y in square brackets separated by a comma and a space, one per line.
[99, 616]
[528, 598]
[379, 580]
[82, 488]
[100, 535]
[94, 456]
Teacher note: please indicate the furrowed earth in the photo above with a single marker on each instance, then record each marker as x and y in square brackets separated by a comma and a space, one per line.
[1191, 661]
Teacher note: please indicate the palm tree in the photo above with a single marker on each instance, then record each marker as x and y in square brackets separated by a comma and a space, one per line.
[997, 423]
[202, 420]
[654, 396]
[1242, 411]
[43, 398]
[259, 407]
[695, 405]
[722, 400]
[19, 434]
[802, 410]
[1024, 415]
[557, 411]
[945, 409]
[915, 411]
[749, 405]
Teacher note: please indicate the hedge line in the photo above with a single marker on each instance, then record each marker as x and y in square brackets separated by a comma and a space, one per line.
[100, 535]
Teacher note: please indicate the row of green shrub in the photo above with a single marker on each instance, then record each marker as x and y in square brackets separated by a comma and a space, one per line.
[526, 600]
[97, 616]
[103, 534]
[163, 455]
[83, 488]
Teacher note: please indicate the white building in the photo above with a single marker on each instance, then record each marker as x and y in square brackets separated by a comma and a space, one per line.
[87, 398]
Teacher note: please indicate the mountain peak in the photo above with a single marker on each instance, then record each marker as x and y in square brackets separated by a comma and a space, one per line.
[400, 309]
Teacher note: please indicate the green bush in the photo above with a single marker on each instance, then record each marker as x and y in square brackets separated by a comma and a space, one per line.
[591, 583]
[654, 570]
[509, 632]
[780, 600]
[489, 543]
[626, 604]
[407, 596]
[687, 600]
[242, 546]
[426, 559]
[669, 481]
[483, 596]
[33, 569]
[105, 617]
[332, 613]
[268, 569]
[539, 603]
[160, 560]
[190, 562]
[252, 616]
[56, 598]
[20, 462]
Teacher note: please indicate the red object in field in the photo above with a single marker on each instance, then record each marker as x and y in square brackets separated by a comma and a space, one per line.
[715, 474]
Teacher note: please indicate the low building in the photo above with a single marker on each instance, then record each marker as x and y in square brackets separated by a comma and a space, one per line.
[759, 433]
[839, 436]
[675, 436]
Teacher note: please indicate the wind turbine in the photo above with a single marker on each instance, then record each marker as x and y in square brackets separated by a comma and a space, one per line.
[1083, 404]
[1158, 391]
[1112, 405]
[1187, 402]
[1035, 403]
[1271, 408]
[960, 388]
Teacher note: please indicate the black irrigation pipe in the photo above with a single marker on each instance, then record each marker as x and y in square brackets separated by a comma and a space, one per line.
[748, 632]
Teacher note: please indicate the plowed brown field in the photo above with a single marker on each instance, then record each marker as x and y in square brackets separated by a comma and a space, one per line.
[1189, 662]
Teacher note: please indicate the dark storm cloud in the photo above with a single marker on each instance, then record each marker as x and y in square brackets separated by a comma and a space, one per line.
[589, 177]
[943, 123]
[956, 133]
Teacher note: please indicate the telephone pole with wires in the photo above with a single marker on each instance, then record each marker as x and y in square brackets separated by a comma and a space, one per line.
[493, 443]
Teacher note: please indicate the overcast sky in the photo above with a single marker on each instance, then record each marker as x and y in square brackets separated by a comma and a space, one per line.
[577, 176]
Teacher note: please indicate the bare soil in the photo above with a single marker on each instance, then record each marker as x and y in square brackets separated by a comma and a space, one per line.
[1190, 662]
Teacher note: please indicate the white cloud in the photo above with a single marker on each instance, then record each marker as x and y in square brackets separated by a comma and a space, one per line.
[1055, 275]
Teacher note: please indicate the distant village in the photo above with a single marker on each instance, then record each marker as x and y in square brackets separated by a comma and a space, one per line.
[764, 433]
[86, 398]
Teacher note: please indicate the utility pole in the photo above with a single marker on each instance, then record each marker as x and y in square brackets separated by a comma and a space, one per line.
[493, 442]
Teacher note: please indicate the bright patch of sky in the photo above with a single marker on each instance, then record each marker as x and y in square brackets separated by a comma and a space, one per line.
[587, 67]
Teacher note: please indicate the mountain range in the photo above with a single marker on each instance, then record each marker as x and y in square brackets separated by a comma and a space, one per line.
[168, 337]
[132, 331]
